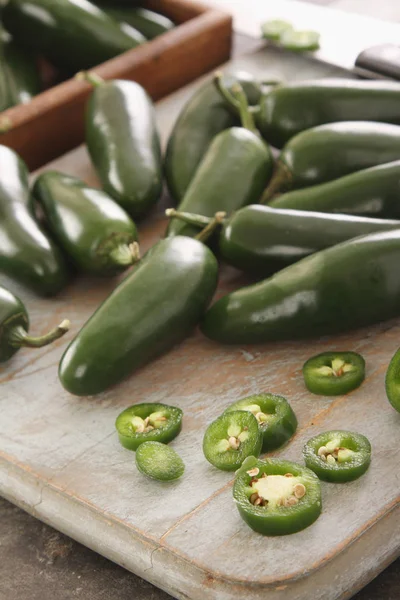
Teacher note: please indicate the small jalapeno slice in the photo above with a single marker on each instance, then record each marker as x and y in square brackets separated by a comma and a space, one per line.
[334, 373]
[338, 456]
[274, 28]
[148, 422]
[159, 461]
[299, 41]
[274, 415]
[231, 438]
[392, 381]
[277, 497]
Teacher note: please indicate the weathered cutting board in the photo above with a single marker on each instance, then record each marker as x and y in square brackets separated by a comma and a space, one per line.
[61, 461]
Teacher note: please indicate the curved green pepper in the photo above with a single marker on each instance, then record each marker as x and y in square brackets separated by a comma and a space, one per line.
[26, 254]
[91, 228]
[350, 285]
[204, 116]
[334, 373]
[277, 497]
[148, 422]
[159, 461]
[141, 330]
[73, 35]
[330, 151]
[338, 456]
[149, 23]
[372, 192]
[14, 326]
[275, 418]
[392, 381]
[233, 172]
[289, 109]
[123, 144]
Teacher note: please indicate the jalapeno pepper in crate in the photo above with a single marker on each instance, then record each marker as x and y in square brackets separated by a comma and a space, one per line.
[148, 422]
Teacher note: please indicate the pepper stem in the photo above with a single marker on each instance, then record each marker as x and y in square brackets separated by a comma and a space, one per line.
[190, 218]
[230, 98]
[18, 336]
[125, 254]
[279, 183]
[89, 77]
[246, 117]
[211, 227]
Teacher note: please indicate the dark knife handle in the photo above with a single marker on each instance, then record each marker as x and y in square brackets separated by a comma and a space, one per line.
[379, 61]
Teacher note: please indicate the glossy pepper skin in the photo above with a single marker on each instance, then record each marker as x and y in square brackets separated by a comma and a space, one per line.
[289, 109]
[330, 151]
[372, 192]
[26, 253]
[14, 325]
[392, 381]
[147, 22]
[350, 285]
[143, 317]
[19, 74]
[91, 228]
[123, 144]
[205, 115]
[73, 35]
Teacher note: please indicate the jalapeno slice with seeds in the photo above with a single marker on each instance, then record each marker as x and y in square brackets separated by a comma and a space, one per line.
[334, 373]
[148, 422]
[277, 497]
[231, 438]
[338, 456]
[392, 381]
[159, 461]
[275, 417]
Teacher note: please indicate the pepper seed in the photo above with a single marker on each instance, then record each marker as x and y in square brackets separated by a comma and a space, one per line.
[234, 443]
[288, 474]
[322, 451]
[254, 497]
[299, 490]
[330, 460]
[253, 472]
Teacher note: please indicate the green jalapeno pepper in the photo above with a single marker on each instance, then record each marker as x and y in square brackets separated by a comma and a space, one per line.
[327, 152]
[350, 285]
[73, 35]
[93, 230]
[277, 497]
[392, 381]
[123, 143]
[26, 254]
[233, 172]
[149, 23]
[275, 417]
[289, 109]
[205, 115]
[334, 373]
[159, 461]
[147, 315]
[372, 192]
[148, 422]
[263, 239]
[231, 438]
[338, 456]
[14, 326]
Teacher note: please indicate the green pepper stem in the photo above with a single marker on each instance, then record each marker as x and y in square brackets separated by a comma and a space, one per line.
[228, 96]
[279, 183]
[211, 227]
[190, 218]
[18, 336]
[89, 77]
[125, 254]
[246, 117]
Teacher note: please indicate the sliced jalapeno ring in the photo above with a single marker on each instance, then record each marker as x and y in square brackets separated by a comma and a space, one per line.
[231, 438]
[392, 381]
[334, 373]
[338, 456]
[299, 41]
[273, 29]
[148, 422]
[159, 461]
[277, 497]
[274, 415]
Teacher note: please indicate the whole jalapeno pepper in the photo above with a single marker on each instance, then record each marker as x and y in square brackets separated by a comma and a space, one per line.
[123, 143]
[159, 461]
[149, 23]
[14, 326]
[73, 35]
[26, 254]
[148, 422]
[130, 324]
[330, 151]
[353, 284]
[233, 172]
[263, 239]
[289, 109]
[275, 417]
[92, 229]
[204, 116]
[334, 373]
[338, 456]
[372, 192]
[277, 497]
[392, 384]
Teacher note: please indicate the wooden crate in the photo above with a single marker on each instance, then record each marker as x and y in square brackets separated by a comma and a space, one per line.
[52, 123]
